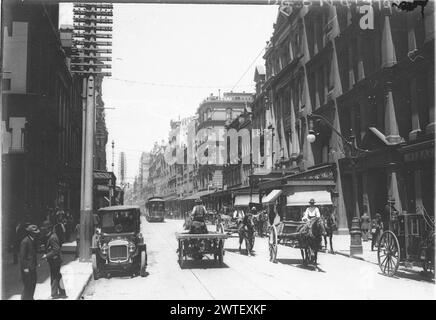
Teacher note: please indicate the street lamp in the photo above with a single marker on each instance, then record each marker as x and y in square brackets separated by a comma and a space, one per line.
[352, 155]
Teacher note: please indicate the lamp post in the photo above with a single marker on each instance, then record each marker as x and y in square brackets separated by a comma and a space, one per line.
[352, 155]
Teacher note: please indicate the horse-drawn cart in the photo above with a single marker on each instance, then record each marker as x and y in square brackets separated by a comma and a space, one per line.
[410, 239]
[286, 233]
[198, 245]
[303, 235]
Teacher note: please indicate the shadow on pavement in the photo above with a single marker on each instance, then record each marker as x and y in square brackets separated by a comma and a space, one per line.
[243, 252]
[414, 275]
[297, 263]
[203, 264]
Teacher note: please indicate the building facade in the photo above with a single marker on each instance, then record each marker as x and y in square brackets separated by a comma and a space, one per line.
[41, 116]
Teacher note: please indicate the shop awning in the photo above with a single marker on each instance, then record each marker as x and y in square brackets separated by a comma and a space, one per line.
[272, 196]
[243, 200]
[199, 194]
[322, 198]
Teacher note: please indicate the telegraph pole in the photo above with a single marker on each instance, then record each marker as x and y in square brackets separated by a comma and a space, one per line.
[88, 64]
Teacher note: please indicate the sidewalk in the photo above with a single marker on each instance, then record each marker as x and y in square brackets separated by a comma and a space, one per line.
[75, 274]
[341, 245]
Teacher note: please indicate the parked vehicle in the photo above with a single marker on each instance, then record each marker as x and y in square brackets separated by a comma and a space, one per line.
[155, 209]
[117, 244]
[410, 239]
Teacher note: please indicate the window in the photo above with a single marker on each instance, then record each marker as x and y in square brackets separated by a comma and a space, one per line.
[6, 84]
[229, 114]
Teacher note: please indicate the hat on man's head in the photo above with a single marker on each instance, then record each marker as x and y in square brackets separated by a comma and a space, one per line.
[378, 215]
[312, 201]
[253, 209]
[391, 200]
[198, 200]
[32, 230]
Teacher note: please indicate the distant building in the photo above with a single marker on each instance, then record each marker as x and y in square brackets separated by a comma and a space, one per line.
[213, 114]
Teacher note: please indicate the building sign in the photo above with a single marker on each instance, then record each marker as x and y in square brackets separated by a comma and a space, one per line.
[424, 154]
[102, 188]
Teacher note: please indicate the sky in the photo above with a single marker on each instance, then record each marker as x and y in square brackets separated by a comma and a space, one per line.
[167, 58]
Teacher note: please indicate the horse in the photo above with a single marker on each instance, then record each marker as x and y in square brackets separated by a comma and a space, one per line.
[309, 240]
[246, 231]
[329, 226]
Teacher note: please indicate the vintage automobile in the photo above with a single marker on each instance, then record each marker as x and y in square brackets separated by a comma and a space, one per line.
[117, 244]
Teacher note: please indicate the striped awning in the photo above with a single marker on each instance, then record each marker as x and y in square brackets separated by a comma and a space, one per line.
[243, 200]
[322, 198]
[272, 196]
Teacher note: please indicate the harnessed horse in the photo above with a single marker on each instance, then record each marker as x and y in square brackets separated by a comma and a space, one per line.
[309, 239]
[246, 232]
[329, 226]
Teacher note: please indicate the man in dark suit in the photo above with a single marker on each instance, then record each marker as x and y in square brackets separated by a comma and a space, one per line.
[28, 262]
[53, 256]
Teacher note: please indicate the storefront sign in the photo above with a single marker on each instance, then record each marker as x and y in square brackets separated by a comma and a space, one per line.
[424, 154]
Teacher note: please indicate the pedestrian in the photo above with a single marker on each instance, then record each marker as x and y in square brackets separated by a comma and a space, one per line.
[376, 230]
[28, 261]
[390, 214]
[311, 212]
[364, 226]
[53, 257]
[59, 228]
[77, 232]
[20, 234]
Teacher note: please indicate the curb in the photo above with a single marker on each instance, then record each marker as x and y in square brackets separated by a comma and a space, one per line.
[353, 257]
[79, 295]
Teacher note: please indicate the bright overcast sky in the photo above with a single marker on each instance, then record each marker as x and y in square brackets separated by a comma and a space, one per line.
[179, 54]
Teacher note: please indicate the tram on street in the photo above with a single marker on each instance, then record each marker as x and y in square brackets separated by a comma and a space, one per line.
[155, 209]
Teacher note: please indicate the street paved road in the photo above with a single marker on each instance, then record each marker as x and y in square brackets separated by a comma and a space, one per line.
[244, 277]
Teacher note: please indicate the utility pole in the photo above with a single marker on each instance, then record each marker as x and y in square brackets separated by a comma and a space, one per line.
[88, 64]
[113, 155]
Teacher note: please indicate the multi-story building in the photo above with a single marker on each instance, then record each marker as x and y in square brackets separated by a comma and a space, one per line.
[374, 84]
[41, 116]
[213, 114]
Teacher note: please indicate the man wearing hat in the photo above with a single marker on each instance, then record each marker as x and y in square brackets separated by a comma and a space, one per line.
[53, 256]
[311, 212]
[198, 214]
[28, 263]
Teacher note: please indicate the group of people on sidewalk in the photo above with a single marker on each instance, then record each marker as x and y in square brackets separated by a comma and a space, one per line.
[31, 240]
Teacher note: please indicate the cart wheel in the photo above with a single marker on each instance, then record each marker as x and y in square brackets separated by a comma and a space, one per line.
[221, 253]
[142, 270]
[181, 254]
[95, 270]
[272, 243]
[388, 253]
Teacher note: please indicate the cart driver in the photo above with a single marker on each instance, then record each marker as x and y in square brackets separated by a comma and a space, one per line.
[198, 215]
[311, 212]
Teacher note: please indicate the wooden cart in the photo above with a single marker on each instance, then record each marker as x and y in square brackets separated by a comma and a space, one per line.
[284, 232]
[196, 246]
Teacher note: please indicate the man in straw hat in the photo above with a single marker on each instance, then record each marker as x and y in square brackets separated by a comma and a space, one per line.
[28, 262]
[311, 212]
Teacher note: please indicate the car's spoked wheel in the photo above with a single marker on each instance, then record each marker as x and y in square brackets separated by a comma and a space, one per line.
[272, 243]
[388, 253]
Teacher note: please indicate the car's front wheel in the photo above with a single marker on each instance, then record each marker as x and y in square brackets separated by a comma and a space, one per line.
[143, 265]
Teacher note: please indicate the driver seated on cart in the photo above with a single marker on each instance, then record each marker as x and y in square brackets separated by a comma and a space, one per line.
[198, 215]
[311, 212]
